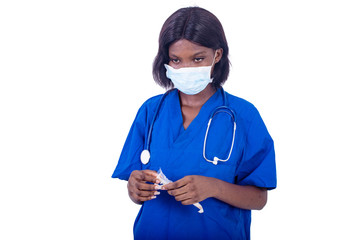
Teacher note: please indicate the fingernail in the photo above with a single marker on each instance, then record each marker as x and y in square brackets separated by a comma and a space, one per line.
[156, 193]
[157, 187]
[153, 197]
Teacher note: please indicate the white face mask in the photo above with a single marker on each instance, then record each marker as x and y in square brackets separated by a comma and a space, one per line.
[190, 80]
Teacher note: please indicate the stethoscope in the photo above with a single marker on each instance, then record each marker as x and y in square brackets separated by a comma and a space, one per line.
[145, 154]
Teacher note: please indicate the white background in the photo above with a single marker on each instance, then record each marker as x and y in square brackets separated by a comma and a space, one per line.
[74, 73]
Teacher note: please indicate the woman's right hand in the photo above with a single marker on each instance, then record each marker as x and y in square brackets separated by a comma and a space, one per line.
[138, 188]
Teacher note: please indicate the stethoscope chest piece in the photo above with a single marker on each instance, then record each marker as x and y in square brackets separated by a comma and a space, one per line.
[145, 156]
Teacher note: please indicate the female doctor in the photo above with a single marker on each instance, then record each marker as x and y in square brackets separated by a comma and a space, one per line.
[227, 166]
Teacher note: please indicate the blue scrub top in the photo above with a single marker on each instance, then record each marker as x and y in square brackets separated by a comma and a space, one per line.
[179, 152]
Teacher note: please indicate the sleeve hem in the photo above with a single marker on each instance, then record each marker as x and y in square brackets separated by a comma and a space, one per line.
[121, 176]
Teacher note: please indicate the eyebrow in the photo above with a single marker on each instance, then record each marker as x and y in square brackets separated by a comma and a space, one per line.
[196, 54]
[200, 53]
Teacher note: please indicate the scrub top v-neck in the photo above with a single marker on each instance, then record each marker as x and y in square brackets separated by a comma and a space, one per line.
[178, 131]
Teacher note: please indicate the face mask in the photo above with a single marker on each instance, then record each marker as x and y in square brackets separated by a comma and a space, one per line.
[190, 80]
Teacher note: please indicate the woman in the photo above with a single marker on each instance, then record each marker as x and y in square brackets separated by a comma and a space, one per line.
[227, 170]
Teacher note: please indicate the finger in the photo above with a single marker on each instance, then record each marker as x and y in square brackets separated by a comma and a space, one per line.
[136, 193]
[183, 197]
[188, 201]
[144, 199]
[174, 185]
[151, 173]
[150, 176]
[179, 191]
[141, 196]
[145, 176]
[140, 193]
[146, 187]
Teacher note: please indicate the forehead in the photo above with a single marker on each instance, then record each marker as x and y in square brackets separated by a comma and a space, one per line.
[184, 47]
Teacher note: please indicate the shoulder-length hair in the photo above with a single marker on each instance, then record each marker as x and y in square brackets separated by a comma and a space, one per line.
[199, 26]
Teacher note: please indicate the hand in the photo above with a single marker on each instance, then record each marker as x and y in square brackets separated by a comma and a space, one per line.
[191, 189]
[138, 188]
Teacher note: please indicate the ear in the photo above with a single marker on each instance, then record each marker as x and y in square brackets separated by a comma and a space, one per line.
[219, 53]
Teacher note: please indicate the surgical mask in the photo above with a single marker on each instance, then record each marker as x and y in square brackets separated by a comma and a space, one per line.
[190, 80]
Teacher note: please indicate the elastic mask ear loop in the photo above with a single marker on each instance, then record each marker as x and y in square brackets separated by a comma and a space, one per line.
[213, 63]
[213, 66]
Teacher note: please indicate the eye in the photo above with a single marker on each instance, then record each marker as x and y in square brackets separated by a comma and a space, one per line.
[176, 61]
[199, 59]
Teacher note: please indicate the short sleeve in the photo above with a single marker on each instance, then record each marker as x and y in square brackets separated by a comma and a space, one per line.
[257, 167]
[130, 156]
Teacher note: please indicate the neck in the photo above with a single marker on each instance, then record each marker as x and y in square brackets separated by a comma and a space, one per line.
[197, 100]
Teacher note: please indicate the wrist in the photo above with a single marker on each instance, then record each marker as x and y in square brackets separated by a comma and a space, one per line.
[215, 187]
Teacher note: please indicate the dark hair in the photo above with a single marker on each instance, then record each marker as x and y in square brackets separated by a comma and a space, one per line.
[199, 26]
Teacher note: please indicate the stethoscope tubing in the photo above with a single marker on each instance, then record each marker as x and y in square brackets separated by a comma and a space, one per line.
[154, 118]
[145, 155]
[233, 116]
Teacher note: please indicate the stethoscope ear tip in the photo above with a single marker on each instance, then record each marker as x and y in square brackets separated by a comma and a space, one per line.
[145, 156]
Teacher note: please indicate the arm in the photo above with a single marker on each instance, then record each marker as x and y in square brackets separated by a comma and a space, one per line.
[193, 189]
[246, 197]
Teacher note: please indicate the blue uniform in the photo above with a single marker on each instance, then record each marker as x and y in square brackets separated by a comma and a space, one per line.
[179, 152]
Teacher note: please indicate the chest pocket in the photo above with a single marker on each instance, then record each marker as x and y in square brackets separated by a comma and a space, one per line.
[223, 170]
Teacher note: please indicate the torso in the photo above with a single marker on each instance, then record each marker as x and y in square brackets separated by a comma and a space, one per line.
[179, 153]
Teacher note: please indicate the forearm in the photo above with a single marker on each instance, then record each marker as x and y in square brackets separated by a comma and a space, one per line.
[245, 197]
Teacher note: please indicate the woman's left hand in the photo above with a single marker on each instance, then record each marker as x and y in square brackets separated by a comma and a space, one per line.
[191, 189]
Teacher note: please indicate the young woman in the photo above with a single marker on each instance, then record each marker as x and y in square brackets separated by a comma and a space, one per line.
[227, 166]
